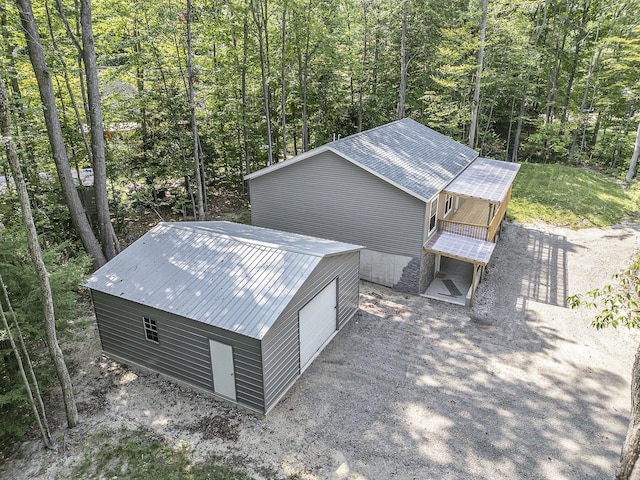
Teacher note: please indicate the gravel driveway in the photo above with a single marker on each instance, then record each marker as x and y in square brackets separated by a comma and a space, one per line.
[520, 387]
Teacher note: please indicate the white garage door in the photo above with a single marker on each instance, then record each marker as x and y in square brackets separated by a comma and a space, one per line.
[317, 323]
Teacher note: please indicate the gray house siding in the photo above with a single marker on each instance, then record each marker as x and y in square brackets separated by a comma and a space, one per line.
[329, 197]
[182, 352]
[281, 347]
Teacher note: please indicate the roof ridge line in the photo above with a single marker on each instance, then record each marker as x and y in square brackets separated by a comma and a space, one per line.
[362, 132]
[252, 241]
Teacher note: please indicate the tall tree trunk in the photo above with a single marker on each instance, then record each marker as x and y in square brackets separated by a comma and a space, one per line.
[473, 127]
[634, 158]
[38, 413]
[283, 95]
[403, 62]
[302, 81]
[556, 50]
[260, 18]
[521, 112]
[628, 468]
[376, 51]
[54, 131]
[140, 85]
[508, 142]
[245, 127]
[487, 124]
[525, 94]
[15, 89]
[38, 262]
[44, 433]
[107, 234]
[74, 104]
[194, 123]
[579, 43]
[303, 76]
[365, 34]
[67, 81]
[25, 352]
[593, 63]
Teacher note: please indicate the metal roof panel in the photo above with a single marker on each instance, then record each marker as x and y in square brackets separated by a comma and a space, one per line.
[485, 179]
[463, 248]
[236, 277]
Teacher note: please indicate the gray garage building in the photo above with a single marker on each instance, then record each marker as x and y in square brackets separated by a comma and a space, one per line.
[234, 310]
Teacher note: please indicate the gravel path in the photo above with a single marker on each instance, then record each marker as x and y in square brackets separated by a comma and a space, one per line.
[520, 387]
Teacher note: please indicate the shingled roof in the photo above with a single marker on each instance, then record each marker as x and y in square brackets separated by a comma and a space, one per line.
[405, 153]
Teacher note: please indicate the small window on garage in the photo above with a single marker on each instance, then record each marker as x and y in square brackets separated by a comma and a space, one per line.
[150, 329]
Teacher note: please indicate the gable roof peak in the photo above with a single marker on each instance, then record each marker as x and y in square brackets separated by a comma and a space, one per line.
[404, 153]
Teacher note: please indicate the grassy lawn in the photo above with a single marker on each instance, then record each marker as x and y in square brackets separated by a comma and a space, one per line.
[572, 197]
[141, 455]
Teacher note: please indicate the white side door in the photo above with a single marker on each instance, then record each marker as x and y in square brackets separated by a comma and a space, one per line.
[224, 380]
[318, 322]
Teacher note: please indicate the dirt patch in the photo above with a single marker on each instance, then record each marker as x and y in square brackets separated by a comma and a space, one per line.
[520, 387]
[217, 426]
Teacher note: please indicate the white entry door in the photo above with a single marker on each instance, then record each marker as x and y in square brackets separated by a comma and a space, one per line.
[224, 380]
[318, 322]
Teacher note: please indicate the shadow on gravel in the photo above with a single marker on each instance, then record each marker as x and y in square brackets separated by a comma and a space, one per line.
[529, 265]
[417, 389]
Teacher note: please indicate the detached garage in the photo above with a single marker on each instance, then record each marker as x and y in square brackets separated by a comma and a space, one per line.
[235, 310]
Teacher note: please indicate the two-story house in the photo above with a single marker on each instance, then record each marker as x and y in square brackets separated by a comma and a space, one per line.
[427, 208]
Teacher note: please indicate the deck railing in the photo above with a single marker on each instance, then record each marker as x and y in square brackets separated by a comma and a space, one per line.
[471, 218]
[474, 231]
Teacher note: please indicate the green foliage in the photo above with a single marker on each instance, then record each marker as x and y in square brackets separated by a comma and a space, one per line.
[617, 304]
[50, 213]
[14, 410]
[66, 268]
[142, 455]
[570, 196]
[573, 66]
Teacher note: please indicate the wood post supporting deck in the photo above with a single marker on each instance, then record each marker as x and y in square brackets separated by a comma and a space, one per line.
[473, 284]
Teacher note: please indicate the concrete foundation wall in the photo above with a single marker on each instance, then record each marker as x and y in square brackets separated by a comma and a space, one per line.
[400, 272]
[382, 268]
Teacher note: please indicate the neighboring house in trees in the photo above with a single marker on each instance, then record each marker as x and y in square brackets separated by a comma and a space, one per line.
[427, 208]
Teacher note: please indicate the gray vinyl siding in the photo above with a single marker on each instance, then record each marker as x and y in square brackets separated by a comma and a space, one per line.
[329, 197]
[280, 347]
[183, 349]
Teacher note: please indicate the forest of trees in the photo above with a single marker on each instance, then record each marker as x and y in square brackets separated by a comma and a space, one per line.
[175, 99]
[270, 79]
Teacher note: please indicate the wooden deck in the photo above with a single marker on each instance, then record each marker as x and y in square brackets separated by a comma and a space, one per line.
[471, 212]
